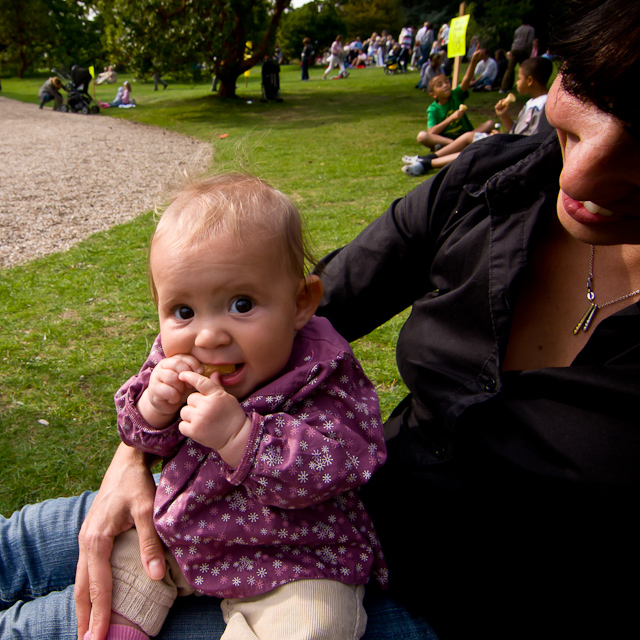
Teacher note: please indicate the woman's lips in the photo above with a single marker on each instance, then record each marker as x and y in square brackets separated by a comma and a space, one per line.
[592, 207]
[585, 212]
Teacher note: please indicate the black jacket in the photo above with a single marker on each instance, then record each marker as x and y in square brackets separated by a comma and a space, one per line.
[507, 505]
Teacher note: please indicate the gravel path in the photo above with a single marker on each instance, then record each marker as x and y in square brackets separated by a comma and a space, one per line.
[65, 176]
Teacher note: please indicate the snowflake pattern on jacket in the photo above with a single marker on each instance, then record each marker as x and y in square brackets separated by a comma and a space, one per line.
[290, 510]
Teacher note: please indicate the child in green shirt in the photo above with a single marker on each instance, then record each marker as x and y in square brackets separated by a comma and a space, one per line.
[447, 119]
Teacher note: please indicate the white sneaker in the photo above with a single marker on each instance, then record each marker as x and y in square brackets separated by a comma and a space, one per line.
[410, 159]
[415, 169]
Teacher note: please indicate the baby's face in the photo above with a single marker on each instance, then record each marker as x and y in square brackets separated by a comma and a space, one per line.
[228, 304]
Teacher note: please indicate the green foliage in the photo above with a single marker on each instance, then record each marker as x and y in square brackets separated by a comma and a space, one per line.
[47, 33]
[498, 19]
[436, 11]
[318, 20]
[366, 16]
[174, 35]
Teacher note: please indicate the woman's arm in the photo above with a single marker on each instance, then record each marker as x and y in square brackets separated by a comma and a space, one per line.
[125, 500]
[384, 269]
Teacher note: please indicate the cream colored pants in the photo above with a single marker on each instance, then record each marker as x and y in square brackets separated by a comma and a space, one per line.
[300, 610]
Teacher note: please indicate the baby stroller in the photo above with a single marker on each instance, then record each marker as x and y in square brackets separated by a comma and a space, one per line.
[391, 63]
[77, 88]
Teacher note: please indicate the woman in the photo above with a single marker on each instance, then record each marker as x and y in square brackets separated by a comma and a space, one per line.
[307, 55]
[50, 90]
[336, 59]
[506, 506]
[513, 464]
[109, 76]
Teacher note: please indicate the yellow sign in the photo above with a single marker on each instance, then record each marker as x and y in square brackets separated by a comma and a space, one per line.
[247, 54]
[458, 37]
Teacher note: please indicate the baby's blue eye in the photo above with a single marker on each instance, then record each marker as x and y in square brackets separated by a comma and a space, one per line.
[183, 313]
[241, 305]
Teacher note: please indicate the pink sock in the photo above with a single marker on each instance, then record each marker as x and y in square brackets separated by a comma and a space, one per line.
[121, 632]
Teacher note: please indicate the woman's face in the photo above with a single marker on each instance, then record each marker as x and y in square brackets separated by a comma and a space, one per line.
[599, 200]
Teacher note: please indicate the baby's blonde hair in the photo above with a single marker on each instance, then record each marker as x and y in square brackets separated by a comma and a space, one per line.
[238, 206]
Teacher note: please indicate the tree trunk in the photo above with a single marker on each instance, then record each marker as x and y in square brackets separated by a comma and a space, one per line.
[227, 79]
[23, 64]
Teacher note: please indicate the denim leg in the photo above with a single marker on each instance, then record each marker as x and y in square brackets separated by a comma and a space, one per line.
[38, 556]
[49, 618]
[200, 618]
[388, 619]
[193, 618]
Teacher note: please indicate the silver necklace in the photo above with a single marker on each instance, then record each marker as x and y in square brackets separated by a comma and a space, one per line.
[586, 319]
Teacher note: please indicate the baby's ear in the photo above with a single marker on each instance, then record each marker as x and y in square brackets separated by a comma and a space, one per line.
[308, 297]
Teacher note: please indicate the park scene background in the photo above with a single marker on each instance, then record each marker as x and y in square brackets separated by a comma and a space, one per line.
[75, 325]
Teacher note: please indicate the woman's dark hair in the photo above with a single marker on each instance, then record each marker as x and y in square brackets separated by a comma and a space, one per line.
[601, 56]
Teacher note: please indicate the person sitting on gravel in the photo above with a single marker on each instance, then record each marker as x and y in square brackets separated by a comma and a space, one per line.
[49, 91]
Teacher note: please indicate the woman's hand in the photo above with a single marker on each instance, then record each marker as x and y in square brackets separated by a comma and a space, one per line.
[125, 500]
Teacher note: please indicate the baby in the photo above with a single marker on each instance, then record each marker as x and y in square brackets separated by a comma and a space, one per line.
[257, 502]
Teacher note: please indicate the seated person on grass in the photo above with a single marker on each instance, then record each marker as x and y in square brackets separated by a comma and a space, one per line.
[533, 76]
[448, 123]
[446, 115]
[486, 72]
[430, 69]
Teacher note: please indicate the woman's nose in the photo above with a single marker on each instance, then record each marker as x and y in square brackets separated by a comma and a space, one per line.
[592, 172]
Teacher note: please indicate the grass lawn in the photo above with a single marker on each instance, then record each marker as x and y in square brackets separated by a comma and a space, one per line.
[75, 325]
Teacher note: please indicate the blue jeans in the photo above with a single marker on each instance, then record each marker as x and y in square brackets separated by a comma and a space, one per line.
[38, 556]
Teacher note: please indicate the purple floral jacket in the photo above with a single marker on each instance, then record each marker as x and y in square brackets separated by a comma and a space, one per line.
[290, 510]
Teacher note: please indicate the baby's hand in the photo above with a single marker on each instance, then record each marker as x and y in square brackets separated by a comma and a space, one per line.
[166, 393]
[214, 418]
